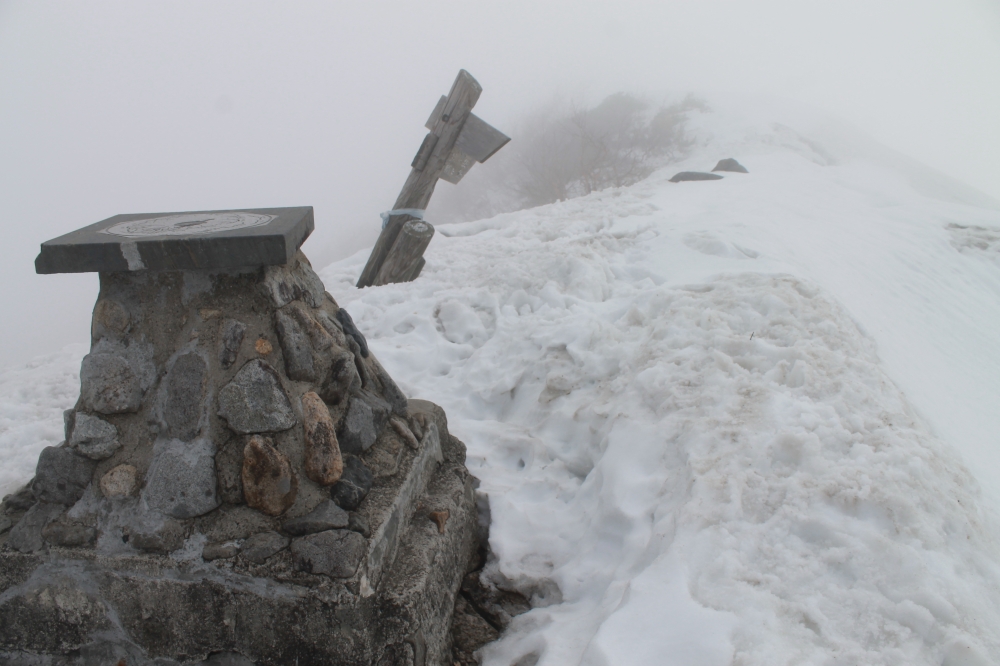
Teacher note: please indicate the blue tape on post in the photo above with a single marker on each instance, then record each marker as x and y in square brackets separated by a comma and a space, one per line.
[415, 212]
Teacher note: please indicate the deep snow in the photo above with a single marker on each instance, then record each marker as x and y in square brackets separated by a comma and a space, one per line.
[717, 422]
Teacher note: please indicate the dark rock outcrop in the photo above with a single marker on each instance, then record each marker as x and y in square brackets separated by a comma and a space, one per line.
[694, 175]
[729, 164]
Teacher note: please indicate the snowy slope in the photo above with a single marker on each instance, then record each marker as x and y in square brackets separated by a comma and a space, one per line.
[717, 422]
[673, 490]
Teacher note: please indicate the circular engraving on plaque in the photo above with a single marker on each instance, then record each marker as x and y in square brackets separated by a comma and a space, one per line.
[188, 224]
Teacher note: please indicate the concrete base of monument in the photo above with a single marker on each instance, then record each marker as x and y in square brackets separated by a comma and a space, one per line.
[71, 606]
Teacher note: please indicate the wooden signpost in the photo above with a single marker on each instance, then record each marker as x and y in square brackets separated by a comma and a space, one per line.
[457, 140]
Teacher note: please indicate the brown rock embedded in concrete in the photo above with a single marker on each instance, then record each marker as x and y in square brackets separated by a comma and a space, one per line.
[323, 463]
[263, 347]
[403, 430]
[120, 481]
[269, 483]
[439, 518]
[319, 336]
[295, 347]
[110, 319]
[220, 551]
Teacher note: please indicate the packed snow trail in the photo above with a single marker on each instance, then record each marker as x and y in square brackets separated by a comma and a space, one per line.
[717, 422]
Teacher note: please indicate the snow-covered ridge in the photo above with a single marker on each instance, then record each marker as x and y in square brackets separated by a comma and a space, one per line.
[717, 422]
[678, 401]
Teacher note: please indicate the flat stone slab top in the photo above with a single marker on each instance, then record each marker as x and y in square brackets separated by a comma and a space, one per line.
[214, 239]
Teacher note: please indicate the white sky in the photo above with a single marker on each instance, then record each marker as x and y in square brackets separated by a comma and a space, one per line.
[125, 107]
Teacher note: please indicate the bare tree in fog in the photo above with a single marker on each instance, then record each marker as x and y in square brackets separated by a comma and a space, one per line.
[557, 156]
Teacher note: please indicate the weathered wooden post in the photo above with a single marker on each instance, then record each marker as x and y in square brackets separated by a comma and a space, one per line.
[457, 140]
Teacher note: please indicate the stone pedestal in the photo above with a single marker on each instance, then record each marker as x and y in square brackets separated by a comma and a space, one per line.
[241, 483]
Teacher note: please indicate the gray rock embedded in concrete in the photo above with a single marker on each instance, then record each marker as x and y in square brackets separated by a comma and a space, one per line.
[341, 380]
[109, 384]
[470, 632]
[181, 479]
[22, 500]
[729, 164]
[335, 553]
[402, 428]
[69, 535]
[269, 482]
[367, 416]
[26, 536]
[331, 325]
[295, 347]
[61, 475]
[498, 605]
[110, 320]
[120, 481]
[180, 241]
[354, 484]
[426, 412]
[292, 282]
[385, 457]
[260, 547]
[234, 523]
[350, 329]
[319, 336]
[363, 372]
[357, 523]
[156, 534]
[220, 551]
[254, 401]
[183, 403]
[94, 437]
[694, 175]
[326, 516]
[322, 463]
[230, 340]
[358, 432]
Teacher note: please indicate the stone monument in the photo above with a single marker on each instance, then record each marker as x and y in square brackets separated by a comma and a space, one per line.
[242, 482]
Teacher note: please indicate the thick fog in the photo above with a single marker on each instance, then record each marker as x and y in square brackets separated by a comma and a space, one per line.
[126, 107]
